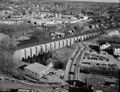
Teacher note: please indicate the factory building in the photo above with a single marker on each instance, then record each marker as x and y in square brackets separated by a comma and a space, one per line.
[51, 46]
[35, 70]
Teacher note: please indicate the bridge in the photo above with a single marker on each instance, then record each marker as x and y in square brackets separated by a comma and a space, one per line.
[51, 46]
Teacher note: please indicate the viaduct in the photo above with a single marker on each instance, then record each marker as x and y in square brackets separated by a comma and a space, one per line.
[51, 46]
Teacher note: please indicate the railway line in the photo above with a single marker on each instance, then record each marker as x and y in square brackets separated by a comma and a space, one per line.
[70, 63]
[74, 71]
[77, 62]
[72, 66]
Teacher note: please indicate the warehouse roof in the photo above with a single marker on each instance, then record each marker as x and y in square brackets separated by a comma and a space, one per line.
[36, 67]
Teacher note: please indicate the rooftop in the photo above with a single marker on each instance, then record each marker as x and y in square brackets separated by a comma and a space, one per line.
[36, 67]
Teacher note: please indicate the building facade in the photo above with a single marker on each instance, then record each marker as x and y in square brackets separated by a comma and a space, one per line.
[35, 70]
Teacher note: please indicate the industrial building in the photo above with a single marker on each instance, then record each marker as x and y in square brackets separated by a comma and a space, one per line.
[35, 70]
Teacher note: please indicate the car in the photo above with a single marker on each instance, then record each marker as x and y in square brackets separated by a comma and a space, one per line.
[71, 58]
[75, 64]
[61, 77]
[71, 72]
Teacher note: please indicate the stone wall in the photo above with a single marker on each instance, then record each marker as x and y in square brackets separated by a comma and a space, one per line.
[51, 46]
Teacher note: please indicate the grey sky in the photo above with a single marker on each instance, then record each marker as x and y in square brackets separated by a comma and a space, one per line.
[98, 0]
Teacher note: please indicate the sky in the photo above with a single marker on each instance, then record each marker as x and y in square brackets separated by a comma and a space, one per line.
[98, 0]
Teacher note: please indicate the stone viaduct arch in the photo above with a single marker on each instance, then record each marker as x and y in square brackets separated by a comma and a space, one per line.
[51, 46]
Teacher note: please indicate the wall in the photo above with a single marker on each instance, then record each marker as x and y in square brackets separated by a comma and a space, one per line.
[51, 46]
[30, 73]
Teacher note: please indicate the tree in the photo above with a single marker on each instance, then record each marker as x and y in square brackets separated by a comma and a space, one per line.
[7, 49]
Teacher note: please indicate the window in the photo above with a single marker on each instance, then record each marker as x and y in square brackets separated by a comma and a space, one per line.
[71, 72]
[107, 60]
[23, 59]
[95, 58]
[88, 57]
[71, 58]
[86, 63]
[29, 21]
[104, 64]
[35, 23]
[89, 63]
[83, 57]
[92, 58]
[101, 59]
[6, 12]
[97, 64]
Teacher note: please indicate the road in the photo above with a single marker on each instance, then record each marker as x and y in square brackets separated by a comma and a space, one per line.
[22, 82]
[74, 60]
[66, 74]
[7, 83]
[72, 71]
[77, 62]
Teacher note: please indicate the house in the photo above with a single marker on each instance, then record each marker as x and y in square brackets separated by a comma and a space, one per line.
[116, 49]
[105, 46]
[4, 13]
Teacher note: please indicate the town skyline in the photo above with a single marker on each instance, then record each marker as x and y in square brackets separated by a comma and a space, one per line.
[97, 0]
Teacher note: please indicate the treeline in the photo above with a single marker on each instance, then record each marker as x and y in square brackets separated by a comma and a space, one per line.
[45, 59]
[113, 39]
[7, 48]
[101, 71]
[13, 30]
[40, 58]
